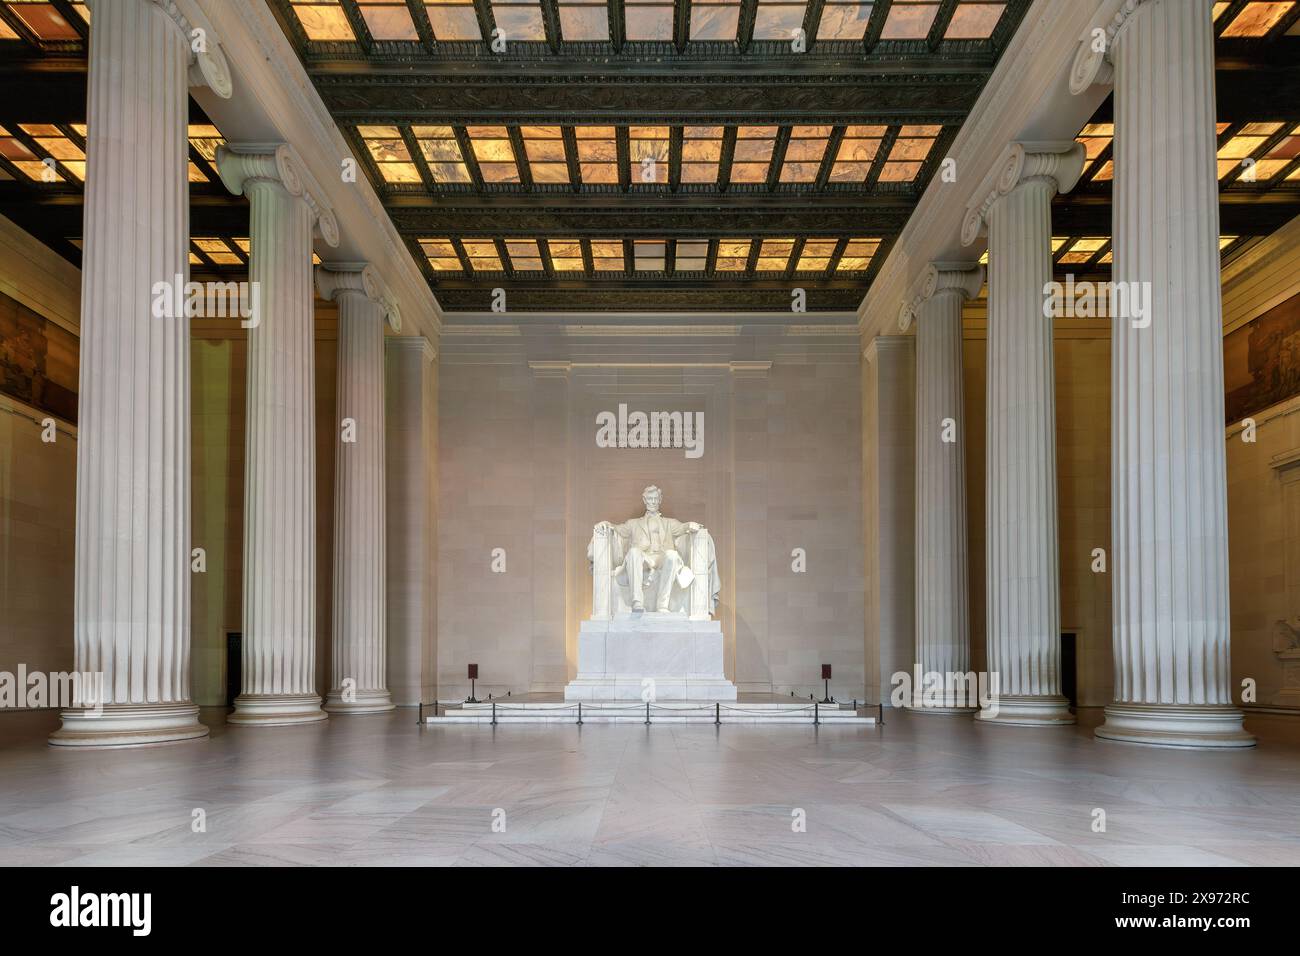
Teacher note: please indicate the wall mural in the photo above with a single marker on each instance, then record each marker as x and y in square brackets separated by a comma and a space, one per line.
[1261, 361]
[38, 361]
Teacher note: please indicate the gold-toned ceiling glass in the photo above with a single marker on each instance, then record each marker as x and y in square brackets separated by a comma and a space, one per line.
[205, 139]
[648, 150]
[692, 255]
[584, 20]
[733, 255]
[1256, 19]
[701, 151]
[390, 154]
[519, 19]
[1095, 137]
[909, 20]
[774, 255]
[482, 255]
[715, 19]
[857, 255]
[753, 153]
[7, 33]
[441, 153]
[218, 251]
[388, 19]
[1279, 157]
[844, 20]
[816, 255]
[544, 146]
[778, 19]
[441, 255]
[974, 20]
[27, 162]
[908, 153]
[649, 255]
[1082, 250]
[566, 255]
[597, 154]
[607, 255]
[495, 154]
[323, 20]
[453, 20]
[857, 150]
[803, 155]
[45, 20]
[57, 145]
[648, 19]
[1243, 145]
[525, 256]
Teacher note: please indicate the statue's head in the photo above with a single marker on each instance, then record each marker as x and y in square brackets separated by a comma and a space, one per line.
[652, 498]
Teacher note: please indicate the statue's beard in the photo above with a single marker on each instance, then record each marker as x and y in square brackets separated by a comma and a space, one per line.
[651, 509]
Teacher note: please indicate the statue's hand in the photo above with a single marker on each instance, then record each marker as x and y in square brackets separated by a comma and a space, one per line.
[692, 526]
[602, 527]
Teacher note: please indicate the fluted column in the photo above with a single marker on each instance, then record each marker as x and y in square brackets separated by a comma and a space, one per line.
[410, 420]
[942, 594]
[1022, 556]
[358, 663]
[280, 454]
[131, 604]
[1168, 473]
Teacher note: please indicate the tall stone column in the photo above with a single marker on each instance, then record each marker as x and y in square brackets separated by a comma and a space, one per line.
[1022, 556]
[410, 422]
[131, 604]
[280, 454]
[359, 677]
[1168, 472]
[942, 593]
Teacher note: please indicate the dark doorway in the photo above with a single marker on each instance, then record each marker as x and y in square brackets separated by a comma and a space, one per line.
[234, 666]
[1070, 670]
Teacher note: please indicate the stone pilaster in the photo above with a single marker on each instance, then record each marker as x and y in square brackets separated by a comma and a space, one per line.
[411, 471]
[131, 604]
[942, 593]
[1022, 557]
[280, 467]
[359, 674]
[1168, 473]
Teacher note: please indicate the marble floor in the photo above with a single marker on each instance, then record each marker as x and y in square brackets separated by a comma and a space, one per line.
[923, 790]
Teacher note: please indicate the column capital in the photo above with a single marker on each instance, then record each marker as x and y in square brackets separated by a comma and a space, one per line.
[412, 343]
[1092, 61]
[961, 278]
[208, 66]
[335, 279]
[1059, 161]
[240, 164]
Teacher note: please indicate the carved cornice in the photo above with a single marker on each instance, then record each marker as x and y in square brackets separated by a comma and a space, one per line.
[358, 278]
[412, 343]
[959, 278]
[208, 66]
[1061, 162]
[887, 343]
[279, 163]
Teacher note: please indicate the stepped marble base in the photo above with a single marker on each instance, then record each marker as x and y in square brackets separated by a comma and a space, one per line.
[1190, 726]
[273, 709]
[363, 702]
[682, 657]
[764, 710]
[129, 725]
[1030, 711]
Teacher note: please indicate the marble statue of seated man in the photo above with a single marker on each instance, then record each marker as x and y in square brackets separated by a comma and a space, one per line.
[644, 555]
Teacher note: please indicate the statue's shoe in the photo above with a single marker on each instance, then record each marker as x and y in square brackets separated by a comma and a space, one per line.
[638, 606]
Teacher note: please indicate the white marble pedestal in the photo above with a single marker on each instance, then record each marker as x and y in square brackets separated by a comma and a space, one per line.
[682, 657]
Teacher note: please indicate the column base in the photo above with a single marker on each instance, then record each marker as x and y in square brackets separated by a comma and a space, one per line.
[274, 709]
[1029, 710]
[129, 725]
[363, 702]
[1191, 726]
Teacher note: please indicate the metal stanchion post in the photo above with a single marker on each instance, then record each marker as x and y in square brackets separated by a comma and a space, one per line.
[494, 713]
[579, 713]
[647, 712]
[717, 712]
[816, 713]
